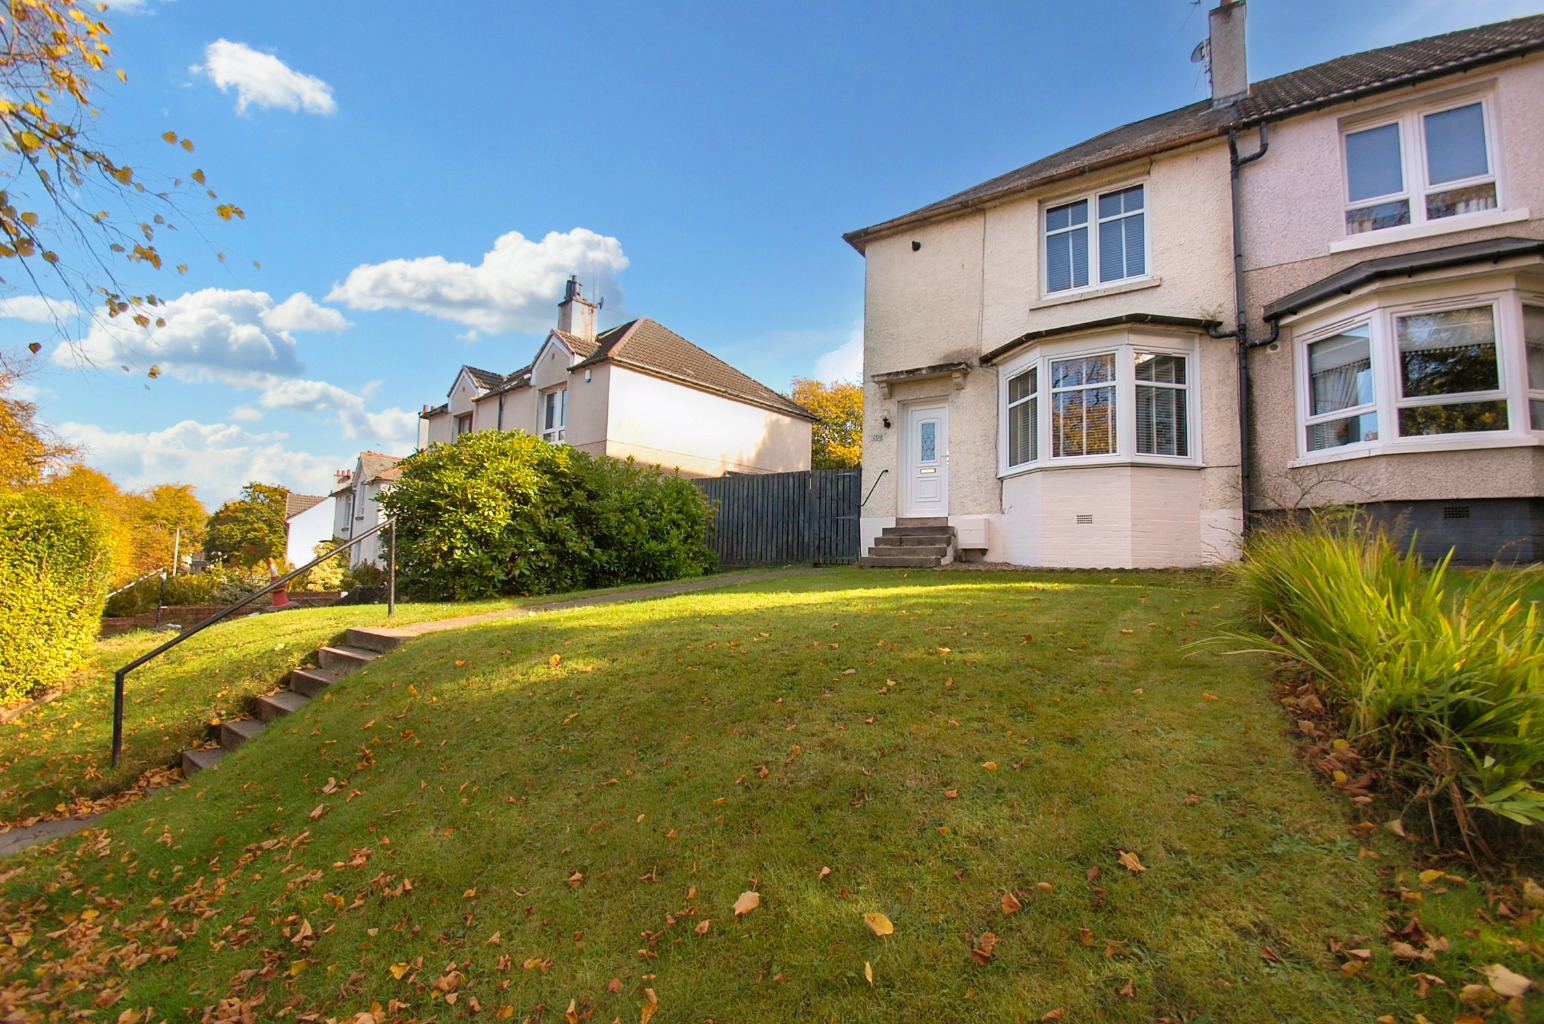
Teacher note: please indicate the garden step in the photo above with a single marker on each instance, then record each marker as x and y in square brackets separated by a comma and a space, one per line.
[276, 705]
[308, 682]
[900, 561]
[344, 660]
[234, 734]
[195, 761]
[917, 531]
[910, 551]
[376, 639]
[910, 539]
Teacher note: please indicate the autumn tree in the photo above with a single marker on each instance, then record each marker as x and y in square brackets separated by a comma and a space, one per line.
[70, 212]
[83, 485]
[250, 529]
[837, 442]
[27, 449]
[171, 522]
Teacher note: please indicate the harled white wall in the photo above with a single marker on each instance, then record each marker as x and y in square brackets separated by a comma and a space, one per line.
[677, 427]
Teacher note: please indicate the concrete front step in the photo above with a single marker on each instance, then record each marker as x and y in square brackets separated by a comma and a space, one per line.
[276, 705]
[342, 660]
[376, 639]
[910, 551]
[308, 682]
[195, 761]
[913, 539]
[234, 734]
[900, 561]
[922, 521]
[917, 531]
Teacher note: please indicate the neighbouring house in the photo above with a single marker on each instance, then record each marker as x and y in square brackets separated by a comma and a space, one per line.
[356, 508]
[307, 522]
[1054, 360]
[639, 390]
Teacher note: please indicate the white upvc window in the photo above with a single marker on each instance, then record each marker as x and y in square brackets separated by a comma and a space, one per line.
[1097, 403]
[1462, 372]
[1420, 165]
[554, 415]
[1105, 232]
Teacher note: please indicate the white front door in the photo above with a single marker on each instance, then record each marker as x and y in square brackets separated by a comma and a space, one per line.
[925, 461]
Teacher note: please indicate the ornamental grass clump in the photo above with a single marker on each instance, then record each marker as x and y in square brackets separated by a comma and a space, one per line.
[1440, 677]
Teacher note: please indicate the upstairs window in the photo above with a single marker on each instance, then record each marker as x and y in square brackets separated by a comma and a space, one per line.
[1116, 245]
[463, 424]
[1421, 166]
[554, 415]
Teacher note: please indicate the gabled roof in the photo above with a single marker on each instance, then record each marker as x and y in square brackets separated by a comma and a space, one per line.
[1297, 92]
[294, 504]
[581, 347]
[486, 380]
[648, 346]
[373, 464]
[521, 378]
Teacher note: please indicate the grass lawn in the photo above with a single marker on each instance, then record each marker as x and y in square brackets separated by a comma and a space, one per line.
[501, 820]
[60, 754]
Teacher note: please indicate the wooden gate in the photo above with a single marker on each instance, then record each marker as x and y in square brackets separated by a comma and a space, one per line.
[786, 518]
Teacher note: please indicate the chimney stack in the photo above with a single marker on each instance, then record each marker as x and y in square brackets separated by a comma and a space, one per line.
[576, 316]
[1225, 51]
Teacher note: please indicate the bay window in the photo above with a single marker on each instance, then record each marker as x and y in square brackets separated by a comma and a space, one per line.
[1115, 242]
[1419, 166]
[1465, 372]
[1115, 402]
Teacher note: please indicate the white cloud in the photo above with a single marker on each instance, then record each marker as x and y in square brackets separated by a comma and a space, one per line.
[844, 363]
[395, 428]
[514, 288]
[38, 309]
[245, 414]
[236, 336]
[261, 79]
[217, 458]
[300, 312]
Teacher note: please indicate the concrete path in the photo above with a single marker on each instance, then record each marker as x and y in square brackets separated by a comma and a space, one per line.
[18, 839]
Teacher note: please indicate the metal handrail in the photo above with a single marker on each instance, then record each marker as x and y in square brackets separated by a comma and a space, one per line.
[870, 494]
[130, 586]
[389, 525]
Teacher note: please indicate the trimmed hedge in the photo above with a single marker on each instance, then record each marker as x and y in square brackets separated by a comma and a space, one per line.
[507, 513]
[55, 561]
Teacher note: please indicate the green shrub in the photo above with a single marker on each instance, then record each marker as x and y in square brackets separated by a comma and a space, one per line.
[215, 585]
[507, 513]
[55, 562]
[365, 574]
[1442, 678]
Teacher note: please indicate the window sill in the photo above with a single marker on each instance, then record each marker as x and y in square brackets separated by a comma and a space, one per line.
[1450, 443]
[1102, 462]
[1430, 229]
[1077, 295]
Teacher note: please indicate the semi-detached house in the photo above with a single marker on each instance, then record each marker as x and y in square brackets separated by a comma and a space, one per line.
[636, 391]
[1322, 288]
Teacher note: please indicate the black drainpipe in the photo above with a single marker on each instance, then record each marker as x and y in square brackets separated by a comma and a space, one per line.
[1241, 332]
[499, 423]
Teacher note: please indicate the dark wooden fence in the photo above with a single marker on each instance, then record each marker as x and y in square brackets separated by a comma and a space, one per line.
[786, 518]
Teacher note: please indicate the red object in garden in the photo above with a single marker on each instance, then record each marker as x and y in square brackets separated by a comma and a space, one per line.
[280, 596]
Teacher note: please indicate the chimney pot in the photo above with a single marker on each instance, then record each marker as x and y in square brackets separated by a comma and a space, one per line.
[1225, 52]
[576, 315]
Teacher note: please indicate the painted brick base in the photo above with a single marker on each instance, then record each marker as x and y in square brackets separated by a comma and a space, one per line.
[1478, 531]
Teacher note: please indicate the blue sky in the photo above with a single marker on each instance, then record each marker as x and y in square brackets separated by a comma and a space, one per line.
[694, 163]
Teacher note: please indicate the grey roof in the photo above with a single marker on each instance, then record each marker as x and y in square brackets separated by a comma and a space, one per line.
[1297, 92]
[1492, 250]
[655, 349]
[521, 378]
[294, 504]
[438, 410]
[373, 464]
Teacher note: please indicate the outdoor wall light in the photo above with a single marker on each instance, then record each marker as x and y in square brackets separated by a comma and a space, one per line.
[886, 421]
[916, 246]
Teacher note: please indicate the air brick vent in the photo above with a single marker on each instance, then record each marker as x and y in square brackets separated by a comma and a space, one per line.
[1086, 520]
[1456, 512]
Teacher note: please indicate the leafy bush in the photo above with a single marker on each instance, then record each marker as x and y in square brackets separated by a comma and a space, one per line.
[1443, 678]
[215, 585]
[55, 562]
[507, 513]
